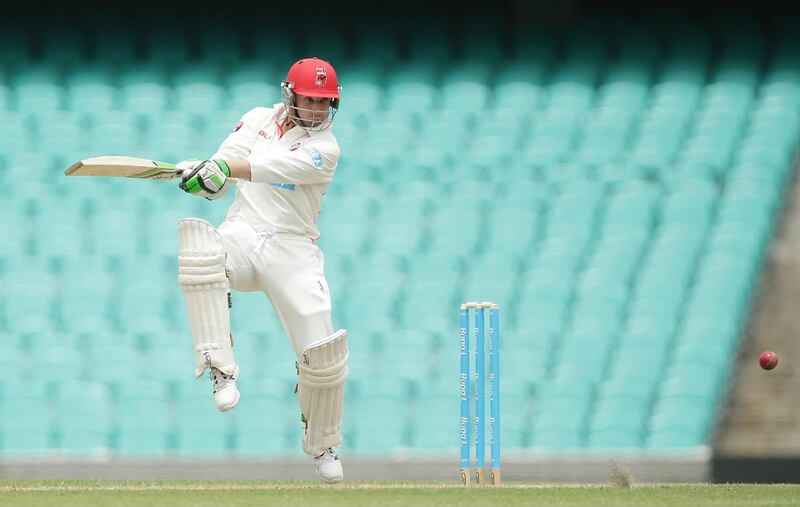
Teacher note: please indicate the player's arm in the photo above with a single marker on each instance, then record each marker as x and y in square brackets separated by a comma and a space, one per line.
[236, 145]
[208, 178]
[240, 169]
[241, 139]
[311, 164]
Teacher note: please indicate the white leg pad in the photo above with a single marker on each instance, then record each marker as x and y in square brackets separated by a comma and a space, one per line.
[322, 370]
[201, 274]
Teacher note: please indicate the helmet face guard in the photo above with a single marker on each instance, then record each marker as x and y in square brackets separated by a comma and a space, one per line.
[311, 77]
[320, 120]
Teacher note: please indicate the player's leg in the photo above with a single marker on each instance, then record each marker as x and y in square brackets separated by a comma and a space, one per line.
[299, 293]
[206, 290]
[322, 370]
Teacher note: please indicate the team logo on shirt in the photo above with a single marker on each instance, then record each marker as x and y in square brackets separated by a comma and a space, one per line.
[238, 126]
[316, 157]
[295, 146]
[322, 77]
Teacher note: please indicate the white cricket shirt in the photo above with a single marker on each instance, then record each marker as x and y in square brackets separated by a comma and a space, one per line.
[290, 174]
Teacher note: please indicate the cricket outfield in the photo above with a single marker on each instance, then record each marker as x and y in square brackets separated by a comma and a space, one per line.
[419, 494]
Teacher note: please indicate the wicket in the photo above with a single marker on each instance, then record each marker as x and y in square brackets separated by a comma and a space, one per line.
[479, 389]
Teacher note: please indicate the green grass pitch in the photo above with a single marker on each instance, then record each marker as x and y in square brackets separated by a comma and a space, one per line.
[417, 494]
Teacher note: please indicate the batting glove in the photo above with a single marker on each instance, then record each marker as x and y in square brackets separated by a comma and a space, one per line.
[188, 165]
[208, 179]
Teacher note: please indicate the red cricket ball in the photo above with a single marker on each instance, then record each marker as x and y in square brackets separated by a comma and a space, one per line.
[768, 360]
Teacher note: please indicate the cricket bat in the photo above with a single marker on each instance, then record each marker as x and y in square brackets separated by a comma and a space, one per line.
[125, 167]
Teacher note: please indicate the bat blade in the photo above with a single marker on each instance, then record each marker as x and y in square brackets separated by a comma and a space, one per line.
[124, 167]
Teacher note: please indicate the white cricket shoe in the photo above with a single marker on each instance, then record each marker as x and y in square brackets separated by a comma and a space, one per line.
[329, 468]
[223, 386]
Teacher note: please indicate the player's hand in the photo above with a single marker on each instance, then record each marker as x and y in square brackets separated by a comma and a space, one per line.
[188, 165]
[208, 179]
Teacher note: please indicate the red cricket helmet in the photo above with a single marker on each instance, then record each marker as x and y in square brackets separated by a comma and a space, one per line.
[312, 77]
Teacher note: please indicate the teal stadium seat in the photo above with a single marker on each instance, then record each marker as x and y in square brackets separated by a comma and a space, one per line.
[264, 426]
[552, 136]
[143, 88]
[116, 131]
[431, 425]
[412, 89]
[678, 424]
[114, 360]
[85, 296]
[31, 290]
[617, 423]
[25, 421]
[530, 365]
[510, 230]
[517, 120]
[559, 420]
[677, 89]
[14, 361]
[143, 305]
[14, 240]
[410, 362]
[59, 235]
[114, 233]
[549, 317]
[625, 86]
[200, 429]
[370, 299]
[177, 135]
[427, 300]
[645, 370]
[515, 413]
[84, 418]
[381, 414]
[249, 86]
[37, 89]
[659, 136]
[433, 266]
[56, 364]
[466, 83]
[13, 138]
[198, 89]
[605, 135]
[171, 362]
[58, 132]
[516, 87]
[622, 387]
[572, 87]
[584, 354]
[144, 426]
[364, 83]
[91, 91]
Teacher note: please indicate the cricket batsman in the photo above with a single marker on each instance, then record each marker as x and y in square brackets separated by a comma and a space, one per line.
[281, 160]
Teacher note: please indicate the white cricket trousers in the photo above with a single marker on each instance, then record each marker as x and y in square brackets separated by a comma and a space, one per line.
[289, 269]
